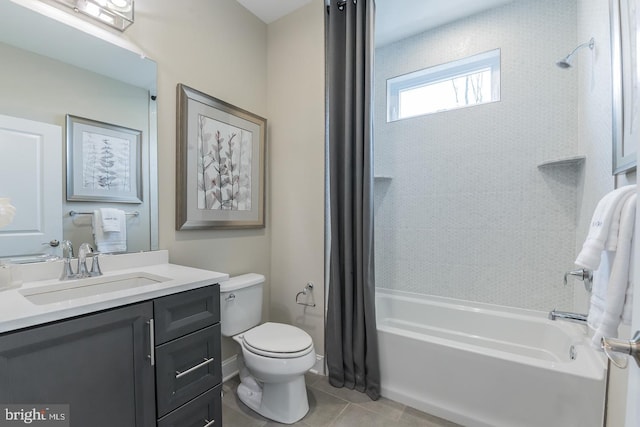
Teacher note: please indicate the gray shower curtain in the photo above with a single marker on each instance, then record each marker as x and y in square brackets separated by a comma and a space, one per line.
[351, 340]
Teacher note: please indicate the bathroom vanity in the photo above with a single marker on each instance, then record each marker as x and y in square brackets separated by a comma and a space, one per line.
[145, 355]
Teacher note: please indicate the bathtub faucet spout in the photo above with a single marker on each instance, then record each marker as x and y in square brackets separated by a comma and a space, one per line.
[565, 315]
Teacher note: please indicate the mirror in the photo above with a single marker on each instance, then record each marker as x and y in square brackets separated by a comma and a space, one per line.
[625, 86]
[56, 64]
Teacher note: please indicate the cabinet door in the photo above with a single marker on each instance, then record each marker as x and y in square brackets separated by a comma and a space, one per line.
[186, 367]
[98, 364]
[203, 411]
[180, 314]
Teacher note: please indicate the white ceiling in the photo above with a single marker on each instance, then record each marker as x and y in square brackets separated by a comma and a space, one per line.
[272, 10]
[395, 19]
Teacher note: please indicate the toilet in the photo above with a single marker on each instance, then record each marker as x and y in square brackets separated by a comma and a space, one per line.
[275, 356]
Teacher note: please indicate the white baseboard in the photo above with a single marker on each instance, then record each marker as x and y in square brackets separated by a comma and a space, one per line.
[318, 368]
[230, 367]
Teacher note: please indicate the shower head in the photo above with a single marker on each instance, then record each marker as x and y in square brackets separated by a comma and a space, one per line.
[566, 61]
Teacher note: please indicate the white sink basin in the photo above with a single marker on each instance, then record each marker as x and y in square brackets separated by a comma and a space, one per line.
[65, 290]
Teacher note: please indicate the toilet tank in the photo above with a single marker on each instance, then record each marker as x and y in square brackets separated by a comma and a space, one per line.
[241, 303]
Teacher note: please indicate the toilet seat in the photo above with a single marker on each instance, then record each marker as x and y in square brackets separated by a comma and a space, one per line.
[277, 340]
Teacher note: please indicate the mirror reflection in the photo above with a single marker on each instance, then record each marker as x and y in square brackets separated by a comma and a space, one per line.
[88, 78]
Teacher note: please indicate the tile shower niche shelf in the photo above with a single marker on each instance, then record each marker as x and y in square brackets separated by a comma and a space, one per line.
[570, 161]
[382, 178]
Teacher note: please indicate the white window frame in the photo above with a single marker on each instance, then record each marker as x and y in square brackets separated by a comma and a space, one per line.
[438, 73]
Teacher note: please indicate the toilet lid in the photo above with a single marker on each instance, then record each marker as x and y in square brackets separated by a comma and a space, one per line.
[277, 338]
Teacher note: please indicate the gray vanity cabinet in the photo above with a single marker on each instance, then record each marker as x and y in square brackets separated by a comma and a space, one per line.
[154, 363]
[98, 364]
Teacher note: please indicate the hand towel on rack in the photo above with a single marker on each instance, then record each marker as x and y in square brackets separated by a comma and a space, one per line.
[600, 229]
[617, 294]
[109, 241]
[111, 219]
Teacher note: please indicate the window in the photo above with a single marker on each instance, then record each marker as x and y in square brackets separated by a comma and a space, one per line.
[463, 83]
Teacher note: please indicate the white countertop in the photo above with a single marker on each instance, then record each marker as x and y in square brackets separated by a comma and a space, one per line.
[17, 312]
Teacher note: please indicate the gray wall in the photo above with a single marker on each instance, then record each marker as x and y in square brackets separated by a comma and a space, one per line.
[219, 48]
[296, 191]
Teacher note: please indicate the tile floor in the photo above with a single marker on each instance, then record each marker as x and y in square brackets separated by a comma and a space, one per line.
[331, 407]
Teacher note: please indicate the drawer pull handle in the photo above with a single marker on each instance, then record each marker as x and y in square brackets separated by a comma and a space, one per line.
[209, 423]
[152, 342]
[198, 366]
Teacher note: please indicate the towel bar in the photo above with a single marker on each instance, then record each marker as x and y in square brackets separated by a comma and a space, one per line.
[74, 213]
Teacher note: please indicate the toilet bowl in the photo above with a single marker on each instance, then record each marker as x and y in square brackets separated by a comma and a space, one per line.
[275, 356]
[276, 364]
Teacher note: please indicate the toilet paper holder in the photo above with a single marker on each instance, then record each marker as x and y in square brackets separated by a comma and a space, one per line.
[308, 289]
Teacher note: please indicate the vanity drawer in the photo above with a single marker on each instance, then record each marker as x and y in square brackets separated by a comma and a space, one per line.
[187, 367]
[180, 314]
[205, 410]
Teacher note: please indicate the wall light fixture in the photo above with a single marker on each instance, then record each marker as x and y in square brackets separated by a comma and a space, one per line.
[114, 13]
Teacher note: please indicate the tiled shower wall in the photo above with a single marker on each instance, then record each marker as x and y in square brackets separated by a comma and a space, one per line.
[594, 122]
[462, 209]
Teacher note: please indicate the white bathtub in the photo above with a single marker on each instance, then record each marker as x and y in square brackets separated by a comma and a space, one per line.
[486, 365]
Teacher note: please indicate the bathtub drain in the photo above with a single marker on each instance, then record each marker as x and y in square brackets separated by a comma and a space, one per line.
[573, 353]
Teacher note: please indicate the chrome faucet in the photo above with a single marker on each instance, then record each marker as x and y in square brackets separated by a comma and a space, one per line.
[85, 250]
[586, 276]
[67, 254]
[565, 315]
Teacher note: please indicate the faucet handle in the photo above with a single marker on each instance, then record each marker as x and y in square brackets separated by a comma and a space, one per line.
[84, 250]
[95, 265]
[582, 274]
[67, 249]
[82, 269]
[67, 270]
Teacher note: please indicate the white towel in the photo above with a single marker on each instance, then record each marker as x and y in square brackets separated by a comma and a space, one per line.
[601, 230]
[109, 241]
[111, 219]
[627, 310]
[617, 295]
[599, 290]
